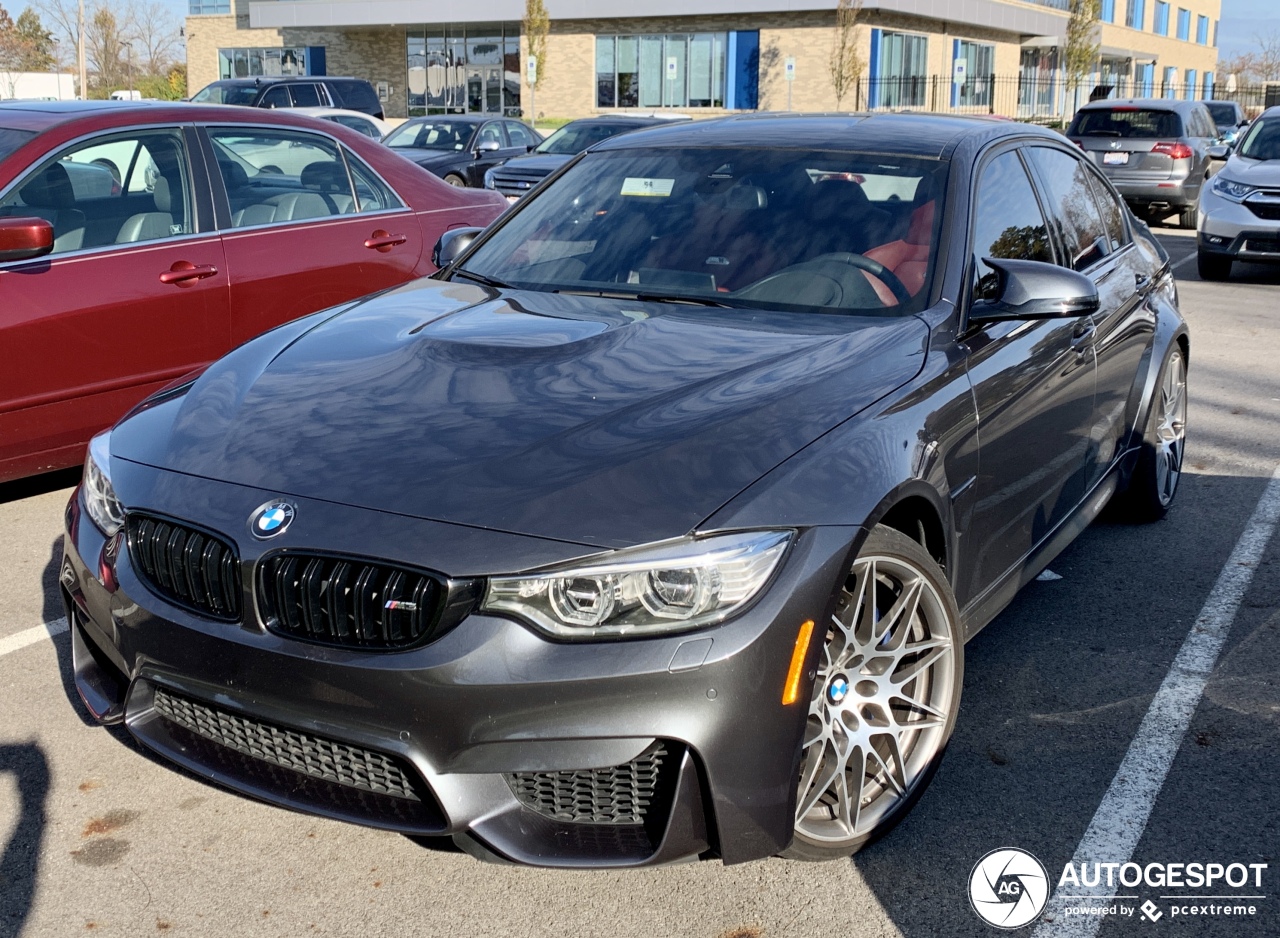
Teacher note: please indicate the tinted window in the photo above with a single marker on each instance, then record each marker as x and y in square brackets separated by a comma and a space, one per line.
[1112, 213]
[755, 228]
[275, 96]
[578, 136]
[1008, 222]
[118, 189]
[520, 135]
[1262, 142]
[1126, 122]
[1223, 112]
[431, 135]
[306, 95]
[278, 176]
[242, 94]
[372, 194]
[10, 140]
[355, 123]
[1072, 207]
[357, 95]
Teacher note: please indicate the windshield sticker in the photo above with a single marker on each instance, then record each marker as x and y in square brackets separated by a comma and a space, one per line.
[636, 185]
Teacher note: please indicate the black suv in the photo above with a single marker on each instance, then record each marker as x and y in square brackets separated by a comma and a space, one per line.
[354, 94]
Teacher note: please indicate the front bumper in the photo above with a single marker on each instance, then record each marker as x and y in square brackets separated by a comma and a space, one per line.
[1232, 229]
[470, 728]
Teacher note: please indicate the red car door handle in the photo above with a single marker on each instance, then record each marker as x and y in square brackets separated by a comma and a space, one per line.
[185, 272]
[383, 241]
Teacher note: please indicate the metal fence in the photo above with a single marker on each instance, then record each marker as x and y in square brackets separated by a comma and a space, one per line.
[1039, 98]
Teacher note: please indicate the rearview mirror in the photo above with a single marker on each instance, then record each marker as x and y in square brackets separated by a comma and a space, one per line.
[24, 238]
[487, 146]
[451, 245]
[1034, 290]
[1219, 151]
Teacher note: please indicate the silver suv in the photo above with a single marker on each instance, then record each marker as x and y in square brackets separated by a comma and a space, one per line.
[1240, 208]
[1154, 151]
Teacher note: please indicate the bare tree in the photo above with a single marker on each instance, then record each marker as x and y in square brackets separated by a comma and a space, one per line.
[535, 26]
[154, 31]
[1080, 52]
[1262, 64]
[104, 44]
[845, 64]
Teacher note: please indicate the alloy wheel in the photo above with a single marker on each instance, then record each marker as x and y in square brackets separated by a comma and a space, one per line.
[1171, 428]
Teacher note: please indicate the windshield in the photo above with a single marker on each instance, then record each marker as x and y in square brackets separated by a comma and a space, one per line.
[10, 140]
[1262, 141]
[752, 228]
[431, 135]
[576, 137]
[1126, 122]
[225, 94]
[1223, 112]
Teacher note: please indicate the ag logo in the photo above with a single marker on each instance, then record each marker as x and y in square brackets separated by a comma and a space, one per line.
[271, 519]
[1008, 888]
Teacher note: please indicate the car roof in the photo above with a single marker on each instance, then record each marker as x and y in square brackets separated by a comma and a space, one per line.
[96, 115]
[1153, 104]
[458, 118]
[330, 111]
[279, 79]
[924, 135]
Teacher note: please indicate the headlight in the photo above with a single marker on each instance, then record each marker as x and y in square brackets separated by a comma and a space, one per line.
[1230, 189]
[672, 586]
[488, 179]
[99, 497]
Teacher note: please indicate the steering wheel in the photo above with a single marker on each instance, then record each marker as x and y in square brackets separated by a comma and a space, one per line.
[832, 268]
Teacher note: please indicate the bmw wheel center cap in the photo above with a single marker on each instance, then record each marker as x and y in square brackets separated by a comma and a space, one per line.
[271, 519]
[838, 690]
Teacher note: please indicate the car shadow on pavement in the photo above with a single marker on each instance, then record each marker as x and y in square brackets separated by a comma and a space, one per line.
[20, 858]
[38, 485]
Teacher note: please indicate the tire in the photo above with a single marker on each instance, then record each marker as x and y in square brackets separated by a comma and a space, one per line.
[1155, 479]
[1187, 216]
[454, 179]
[881, 711]
[1213, 266]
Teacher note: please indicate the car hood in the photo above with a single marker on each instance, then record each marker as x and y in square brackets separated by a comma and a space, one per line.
[1262, 173]
[535, 164]
[597, 421]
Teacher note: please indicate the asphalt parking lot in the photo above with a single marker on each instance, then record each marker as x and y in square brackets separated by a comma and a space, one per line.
[99, 838]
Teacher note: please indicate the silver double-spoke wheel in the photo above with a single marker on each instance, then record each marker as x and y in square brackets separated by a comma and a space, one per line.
[1170, 428]
[884, 697]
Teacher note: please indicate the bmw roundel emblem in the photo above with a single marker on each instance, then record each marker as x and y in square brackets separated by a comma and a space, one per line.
[838, 690]
[271, 519]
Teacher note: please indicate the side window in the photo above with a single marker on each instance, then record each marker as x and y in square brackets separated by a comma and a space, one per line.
[277, 176]
[355, 123]
[1008, 222]
[520, 135]
[491, 133]
[372, 194]
[1073, 209]
[275, 96]
[306, 95]
[117, 189]
[1112, 213]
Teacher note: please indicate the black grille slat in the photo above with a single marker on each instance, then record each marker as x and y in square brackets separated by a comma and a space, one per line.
[189, 567]
[348, 602]
[315, 756]
[620, 794]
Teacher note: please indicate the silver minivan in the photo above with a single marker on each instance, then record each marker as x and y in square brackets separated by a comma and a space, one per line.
[1154, 151]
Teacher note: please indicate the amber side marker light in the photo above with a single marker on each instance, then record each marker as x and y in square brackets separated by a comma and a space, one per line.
[791, 691]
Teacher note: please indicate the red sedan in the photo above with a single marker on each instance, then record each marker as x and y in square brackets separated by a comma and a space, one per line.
[138, 242]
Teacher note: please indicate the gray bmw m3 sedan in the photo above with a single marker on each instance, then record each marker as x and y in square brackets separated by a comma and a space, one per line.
[653, 526]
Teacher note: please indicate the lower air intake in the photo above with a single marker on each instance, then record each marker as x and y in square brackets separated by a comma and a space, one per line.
[620, 794]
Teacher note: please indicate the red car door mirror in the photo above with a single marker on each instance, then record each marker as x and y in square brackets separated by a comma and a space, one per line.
[24, 238]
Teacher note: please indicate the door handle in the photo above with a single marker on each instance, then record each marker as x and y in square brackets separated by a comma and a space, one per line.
[383, 241]
[184, 273]
[1082, 336]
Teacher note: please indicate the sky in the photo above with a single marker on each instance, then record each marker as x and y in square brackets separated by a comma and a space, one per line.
[1243, 21]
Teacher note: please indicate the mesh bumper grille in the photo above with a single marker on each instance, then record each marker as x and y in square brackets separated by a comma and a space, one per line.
[621, 794]
[189, 567]
[303, 753]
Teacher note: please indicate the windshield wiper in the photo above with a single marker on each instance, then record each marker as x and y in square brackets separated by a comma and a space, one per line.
[649, 297]
[480, 278]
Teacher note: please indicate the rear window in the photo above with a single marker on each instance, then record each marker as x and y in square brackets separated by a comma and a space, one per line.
[1126, 122]
[10, 140]
[356, 95]
[226, 94]
[1223, 112]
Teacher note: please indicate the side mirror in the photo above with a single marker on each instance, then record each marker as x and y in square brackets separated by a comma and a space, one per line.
[451, 244]
[24, 238]
[487, 146]
[529, 148]
[1218, 152]
[1035, 290]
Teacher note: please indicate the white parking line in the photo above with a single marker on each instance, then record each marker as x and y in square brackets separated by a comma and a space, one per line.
[1120, 820]
[31, 636]
[1186, 260]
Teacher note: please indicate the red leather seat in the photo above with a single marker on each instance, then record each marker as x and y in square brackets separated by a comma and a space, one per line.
[907, 259]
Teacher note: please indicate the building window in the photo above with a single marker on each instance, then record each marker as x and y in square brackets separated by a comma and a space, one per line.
[1202, 30]
[1107, 13]
[204, 7]
[678, 70]
[979, 60]
[1189, 92]
[1184, 24]
[1169, 89]
[1215, 34]
[900, 77]
[1136, 14]
[249, 63]
[1160, 25]
[1208, 86]
[457, 69]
